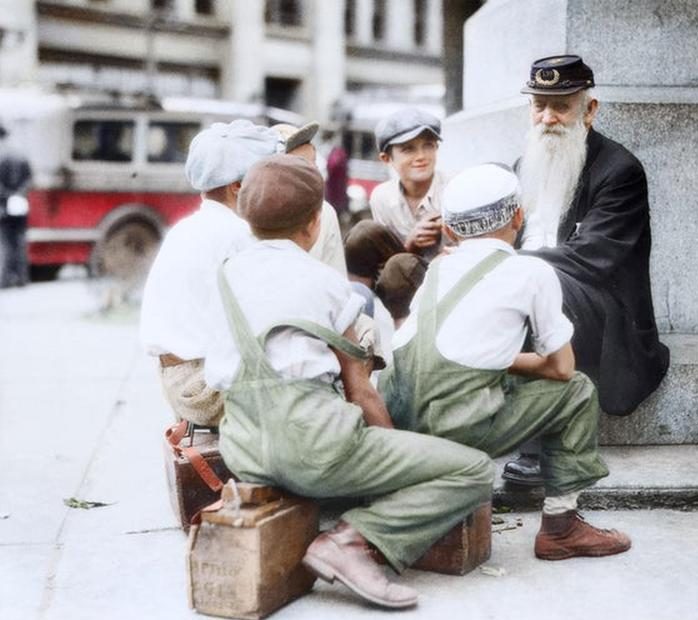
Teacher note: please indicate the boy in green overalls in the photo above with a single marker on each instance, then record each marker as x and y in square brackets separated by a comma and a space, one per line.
[286, 423]
[459, 373]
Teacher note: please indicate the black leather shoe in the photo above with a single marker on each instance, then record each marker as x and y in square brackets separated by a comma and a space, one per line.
[525, 470]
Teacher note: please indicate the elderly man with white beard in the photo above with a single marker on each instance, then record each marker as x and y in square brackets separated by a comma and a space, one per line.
[587, 215]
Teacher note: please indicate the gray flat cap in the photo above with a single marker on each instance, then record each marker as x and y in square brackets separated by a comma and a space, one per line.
[292, 137]
[404, 125]
[222, 153]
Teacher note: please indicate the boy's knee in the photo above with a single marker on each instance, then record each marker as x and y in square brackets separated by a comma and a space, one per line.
[582, 386]
[479, 469]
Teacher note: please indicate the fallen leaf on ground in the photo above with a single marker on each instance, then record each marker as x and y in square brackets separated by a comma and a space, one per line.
[493, 571]
[74, 502]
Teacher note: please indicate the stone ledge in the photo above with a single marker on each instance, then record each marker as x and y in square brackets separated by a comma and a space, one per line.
[669, 415]
[640, 477]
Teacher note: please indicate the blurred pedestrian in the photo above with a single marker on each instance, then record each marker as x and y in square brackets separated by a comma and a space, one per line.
[337, 177]
[15, 178]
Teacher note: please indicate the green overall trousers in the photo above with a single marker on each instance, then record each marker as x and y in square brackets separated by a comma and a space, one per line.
[302, 435]
[490, 409]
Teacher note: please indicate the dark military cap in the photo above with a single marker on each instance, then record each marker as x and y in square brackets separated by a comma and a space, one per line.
[558, 75]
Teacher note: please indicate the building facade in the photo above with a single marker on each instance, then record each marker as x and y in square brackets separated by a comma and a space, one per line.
[296, 54]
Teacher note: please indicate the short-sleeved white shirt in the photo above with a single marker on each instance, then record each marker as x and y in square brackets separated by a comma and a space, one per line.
[329, 247]
[182, 285]
[390, 207]
[487, 328]
[272, 281]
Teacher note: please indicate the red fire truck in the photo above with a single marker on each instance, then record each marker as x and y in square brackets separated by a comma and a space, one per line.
[108, 173]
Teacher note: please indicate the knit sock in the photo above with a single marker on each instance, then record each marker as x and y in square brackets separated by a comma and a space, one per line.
[560, 503]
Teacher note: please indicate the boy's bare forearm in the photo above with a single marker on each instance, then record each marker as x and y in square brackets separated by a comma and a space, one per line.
[558, 366]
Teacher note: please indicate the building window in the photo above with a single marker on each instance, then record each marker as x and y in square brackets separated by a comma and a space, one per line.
[420, 22]
[350, 18]
[282, 93]
[378, 20]
[203, 7]
[283, 12]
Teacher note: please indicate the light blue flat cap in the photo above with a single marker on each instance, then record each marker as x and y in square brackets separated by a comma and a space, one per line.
[404, 125]
[222, 153]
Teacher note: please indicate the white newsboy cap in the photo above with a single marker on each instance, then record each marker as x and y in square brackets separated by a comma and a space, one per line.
[480, 199]
[222, 153]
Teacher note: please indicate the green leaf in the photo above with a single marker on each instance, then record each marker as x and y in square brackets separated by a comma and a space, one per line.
[74, 502]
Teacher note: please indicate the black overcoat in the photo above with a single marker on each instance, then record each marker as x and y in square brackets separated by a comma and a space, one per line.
[602, 260]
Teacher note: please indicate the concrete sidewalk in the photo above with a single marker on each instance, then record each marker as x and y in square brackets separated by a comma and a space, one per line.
[82, 417]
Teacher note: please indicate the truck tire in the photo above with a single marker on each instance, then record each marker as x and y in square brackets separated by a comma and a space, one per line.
[126, 252]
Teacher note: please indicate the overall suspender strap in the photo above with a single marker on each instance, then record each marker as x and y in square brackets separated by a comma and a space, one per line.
[333, 339]
[249, 347]
[466, 284]
[432, 314]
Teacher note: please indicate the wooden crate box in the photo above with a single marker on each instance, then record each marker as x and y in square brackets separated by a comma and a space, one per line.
[464, 548]
[246, 563]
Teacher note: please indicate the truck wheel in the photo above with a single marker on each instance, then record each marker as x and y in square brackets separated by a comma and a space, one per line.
[126, 252]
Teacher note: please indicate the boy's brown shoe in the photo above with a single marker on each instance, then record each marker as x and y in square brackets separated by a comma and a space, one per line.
[342, 553]
[568, 535]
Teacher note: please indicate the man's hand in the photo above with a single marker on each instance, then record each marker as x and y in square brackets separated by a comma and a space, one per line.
[558, 366]
[427, 232]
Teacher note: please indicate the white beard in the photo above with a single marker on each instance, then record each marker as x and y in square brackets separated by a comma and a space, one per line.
[550, 169]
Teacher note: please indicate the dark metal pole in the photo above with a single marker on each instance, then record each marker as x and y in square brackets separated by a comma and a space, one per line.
[455, 12]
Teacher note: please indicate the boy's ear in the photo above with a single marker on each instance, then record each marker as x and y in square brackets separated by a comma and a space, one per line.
[384, 157]
[518, 219]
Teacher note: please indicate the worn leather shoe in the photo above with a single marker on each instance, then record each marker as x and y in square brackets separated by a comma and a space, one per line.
[568, 535]
[342, 553]
[525, 470]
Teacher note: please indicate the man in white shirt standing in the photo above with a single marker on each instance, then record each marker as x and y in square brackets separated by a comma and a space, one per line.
[181, 285]
[457, 356]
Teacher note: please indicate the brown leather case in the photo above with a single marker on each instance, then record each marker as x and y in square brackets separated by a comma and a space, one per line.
[188, 491]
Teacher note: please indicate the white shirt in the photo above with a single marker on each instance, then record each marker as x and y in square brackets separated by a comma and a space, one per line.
[487, 328]
[273, 281]
[182, 286]
[540, 230]
[390, 207]
[329, 247]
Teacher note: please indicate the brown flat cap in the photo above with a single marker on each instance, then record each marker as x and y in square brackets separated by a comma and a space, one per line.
[402, 275]
[279, 192]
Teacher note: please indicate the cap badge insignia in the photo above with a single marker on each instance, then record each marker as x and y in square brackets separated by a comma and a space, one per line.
[547, 77]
